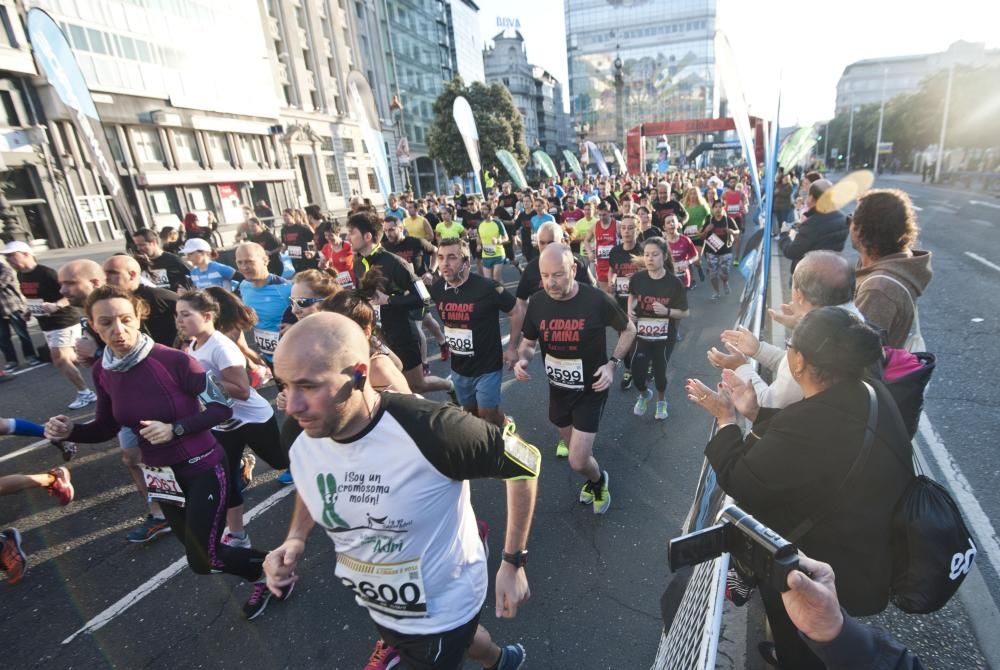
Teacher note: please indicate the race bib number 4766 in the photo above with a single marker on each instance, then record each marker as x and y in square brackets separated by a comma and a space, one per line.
[396, 589]
[565, 373]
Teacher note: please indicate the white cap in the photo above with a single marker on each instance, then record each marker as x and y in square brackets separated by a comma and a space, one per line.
[196, 244]
[11, 247]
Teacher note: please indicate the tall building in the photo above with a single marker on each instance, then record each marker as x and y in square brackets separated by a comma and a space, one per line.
[466, 40]
[537, 94]
[861, 83]
[667, 56]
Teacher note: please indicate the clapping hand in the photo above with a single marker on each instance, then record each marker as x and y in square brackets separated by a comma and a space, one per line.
[717, 403]
[741, 340]
[741, 394]
[788, 317]
[729, 361]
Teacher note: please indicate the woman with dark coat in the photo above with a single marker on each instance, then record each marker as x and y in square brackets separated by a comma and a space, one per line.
[794, 465]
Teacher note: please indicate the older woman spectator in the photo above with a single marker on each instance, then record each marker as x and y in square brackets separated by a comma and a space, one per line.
[891, 275]
[797, 465]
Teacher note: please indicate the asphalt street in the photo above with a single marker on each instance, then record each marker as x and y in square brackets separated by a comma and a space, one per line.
[596, 580]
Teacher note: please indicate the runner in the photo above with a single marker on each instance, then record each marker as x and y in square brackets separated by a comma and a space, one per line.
[259, 234]
[420, 254]
[204, 271]
[471, 217]
[417, 227]
[664, 203]
[492, 236]
[266, 294]
[470, 307]
[525, 228]
[401, 292]
[394, 209]
[184, 466]
[12, 309]
[657, 300]
[252, 424]
[58, 320]
[720, 233]
[603, 236]
[337, 254]
[299, 240]
[166, 270]
[622, 260]
[737, 206]
[448, 228]
[682, 251]
[698, 212]
[569, 320]
[506, 210]
[583, 227]
[420, 570]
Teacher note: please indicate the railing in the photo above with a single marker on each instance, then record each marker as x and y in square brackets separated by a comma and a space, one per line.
[692, 639]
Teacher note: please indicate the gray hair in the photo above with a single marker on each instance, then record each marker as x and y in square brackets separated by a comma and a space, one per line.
[824, 278]
[555, 228]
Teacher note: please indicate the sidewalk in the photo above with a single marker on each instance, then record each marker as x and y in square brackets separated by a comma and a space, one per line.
[912, 178]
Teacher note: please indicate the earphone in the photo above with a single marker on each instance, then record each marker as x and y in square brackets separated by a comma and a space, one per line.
[360, 376]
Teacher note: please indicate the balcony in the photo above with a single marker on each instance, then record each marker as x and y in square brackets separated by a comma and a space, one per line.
[274, 28]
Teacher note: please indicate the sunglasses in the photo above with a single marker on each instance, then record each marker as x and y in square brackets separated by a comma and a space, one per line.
[303, 303]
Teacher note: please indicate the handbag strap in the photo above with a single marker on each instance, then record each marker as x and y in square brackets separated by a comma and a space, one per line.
[810, 522]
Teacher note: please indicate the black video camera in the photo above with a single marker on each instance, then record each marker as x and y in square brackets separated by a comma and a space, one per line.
[754, 547]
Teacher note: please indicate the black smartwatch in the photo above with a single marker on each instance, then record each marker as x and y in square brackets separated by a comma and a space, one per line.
[518, 559]
[178, 430]
[617, 361]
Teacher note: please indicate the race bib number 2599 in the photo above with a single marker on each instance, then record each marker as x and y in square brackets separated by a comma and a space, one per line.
[565, 373]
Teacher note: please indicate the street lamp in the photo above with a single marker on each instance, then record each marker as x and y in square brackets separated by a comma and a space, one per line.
[402, 157]
[850, 138]
[881, 115]
[619, 98]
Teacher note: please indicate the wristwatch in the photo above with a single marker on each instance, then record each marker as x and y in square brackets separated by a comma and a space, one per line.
[177, 430]
[518, 559]
[616, 361]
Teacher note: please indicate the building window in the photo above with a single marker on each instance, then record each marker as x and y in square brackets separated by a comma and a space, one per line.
[372, 181]
[354, 181]
[9, 37]
[116, 147]
[187, 147]
[218, 148]
[249, 150]
[10, 116]
[332, 174]
[147, 145]
[349, 146]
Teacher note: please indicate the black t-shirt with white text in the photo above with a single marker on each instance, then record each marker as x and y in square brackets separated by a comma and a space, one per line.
[399, 287]
[169, 271]
[297, 239]
[411, 250]
[530, 282]
[661, 209]
[652, 231]
[471, 318]
[573, 334]
[41, 284]
[623, 267]
[667, 291]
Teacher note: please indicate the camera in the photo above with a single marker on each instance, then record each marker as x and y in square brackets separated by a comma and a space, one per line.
[753, 547]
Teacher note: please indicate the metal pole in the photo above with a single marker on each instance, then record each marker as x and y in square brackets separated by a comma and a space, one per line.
[826, 141]
[944, 124]
[850, 138]
[881, 115]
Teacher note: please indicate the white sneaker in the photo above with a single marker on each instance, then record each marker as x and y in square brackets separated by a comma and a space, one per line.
[231, 540]
[83, 398]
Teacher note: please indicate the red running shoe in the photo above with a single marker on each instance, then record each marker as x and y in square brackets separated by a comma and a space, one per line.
[13, 561]
[61, 487]
[383, 658]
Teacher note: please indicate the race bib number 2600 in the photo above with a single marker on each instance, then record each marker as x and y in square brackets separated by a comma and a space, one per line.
[395, 589]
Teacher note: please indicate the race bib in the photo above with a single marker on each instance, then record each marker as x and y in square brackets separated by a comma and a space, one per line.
[534, 239]
[691, 231]
[603, 251]
[621, 285]
[459, 340]
[395, 589]
[734, 209]
[653, 328]
[489, 250]
[680, 266]
[36, 307]
[565, 373]
[344, 277]
[159, 277]
[162, 485]
[267, 340]
[714, 242]
[294, 251]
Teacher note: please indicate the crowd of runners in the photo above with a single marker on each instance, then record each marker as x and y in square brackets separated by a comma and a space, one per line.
[342, 316]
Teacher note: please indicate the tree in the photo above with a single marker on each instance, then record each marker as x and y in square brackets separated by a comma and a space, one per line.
[497, 120]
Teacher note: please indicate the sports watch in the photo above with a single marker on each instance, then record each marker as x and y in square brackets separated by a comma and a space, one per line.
[617, 362]
[518, 559]
[178, 430]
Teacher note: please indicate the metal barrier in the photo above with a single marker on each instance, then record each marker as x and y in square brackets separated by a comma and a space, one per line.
[692, 641]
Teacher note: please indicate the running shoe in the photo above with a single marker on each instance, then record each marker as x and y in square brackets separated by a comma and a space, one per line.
[445, 351]
[149, 529]
[661, 410]
[642, 404]
[562, 451]
[13, 560]
[247, 464]
[61, 487]
[726, 289]
[626, 380]
[34, 361]
[736, 263]
[715, 296]
[587, 493]
[260, 596]
[286, 478]
[4, 377]
[602, 496]
[512, 657]
[231, 540]
[383, 658]
[83, 398]
[10, 366]
[67, 449]
[426, 369]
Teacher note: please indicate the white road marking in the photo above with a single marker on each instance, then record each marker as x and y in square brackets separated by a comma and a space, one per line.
[164, 575]
[33, 367]
[964, 495]
[982, 222]
[917, 209]
[984, 204]
[977, 257]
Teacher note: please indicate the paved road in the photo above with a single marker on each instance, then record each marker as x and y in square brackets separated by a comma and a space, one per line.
[596, 581]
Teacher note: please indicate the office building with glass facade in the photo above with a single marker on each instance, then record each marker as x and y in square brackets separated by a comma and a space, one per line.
[667, 54]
